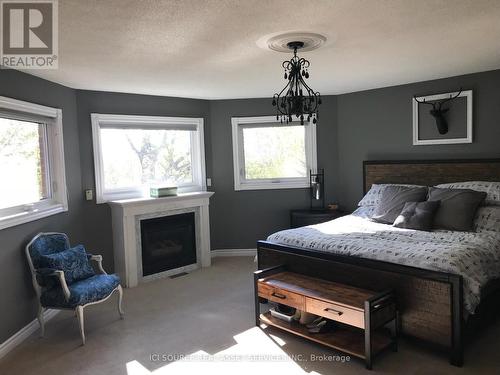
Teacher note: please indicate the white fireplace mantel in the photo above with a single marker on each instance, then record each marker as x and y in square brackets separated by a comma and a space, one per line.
[128, 213]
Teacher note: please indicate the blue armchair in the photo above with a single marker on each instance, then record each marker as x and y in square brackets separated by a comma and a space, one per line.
[64, 280]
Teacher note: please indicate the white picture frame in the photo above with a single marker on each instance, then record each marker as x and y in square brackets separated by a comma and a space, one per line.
[442, 141]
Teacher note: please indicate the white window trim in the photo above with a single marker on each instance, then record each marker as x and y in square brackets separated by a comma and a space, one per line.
[198, 151]
[58, 202]
[286, 183]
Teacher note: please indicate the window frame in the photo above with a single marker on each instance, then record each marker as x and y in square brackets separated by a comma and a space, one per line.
[100, 120]
[55, 172]
[241, 183]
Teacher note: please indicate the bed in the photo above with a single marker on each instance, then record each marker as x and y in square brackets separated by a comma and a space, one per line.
[440, 278]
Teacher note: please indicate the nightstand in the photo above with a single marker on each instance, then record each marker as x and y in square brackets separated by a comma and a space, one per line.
[300, 218]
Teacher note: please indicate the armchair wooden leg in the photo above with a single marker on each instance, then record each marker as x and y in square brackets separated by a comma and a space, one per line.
[120, 298]
[41, 321]
[79, 312]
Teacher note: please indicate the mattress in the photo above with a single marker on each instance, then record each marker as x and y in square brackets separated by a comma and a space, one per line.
[474, 256]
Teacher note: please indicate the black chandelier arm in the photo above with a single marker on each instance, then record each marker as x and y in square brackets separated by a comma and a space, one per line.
[304, 63]
[312, 98]
[293, 86]
[305, 85]
[286, 64]
[278, 96]
[289, 64]
[278, 99]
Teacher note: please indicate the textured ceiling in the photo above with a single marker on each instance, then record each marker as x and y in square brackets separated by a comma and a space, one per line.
[208, 48]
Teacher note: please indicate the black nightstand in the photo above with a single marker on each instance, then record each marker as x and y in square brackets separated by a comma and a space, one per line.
[300, 218]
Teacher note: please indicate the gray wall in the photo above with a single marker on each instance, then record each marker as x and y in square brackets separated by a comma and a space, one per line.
[377, 124]
[97, 217]
[240, 218]
[18, 299]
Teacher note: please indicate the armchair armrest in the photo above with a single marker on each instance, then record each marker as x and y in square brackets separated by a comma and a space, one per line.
[98, 260]
[60, 275]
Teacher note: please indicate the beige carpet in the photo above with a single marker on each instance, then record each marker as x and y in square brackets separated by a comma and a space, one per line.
[208, 317]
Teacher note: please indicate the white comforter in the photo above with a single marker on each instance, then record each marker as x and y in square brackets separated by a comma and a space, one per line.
[474, 256]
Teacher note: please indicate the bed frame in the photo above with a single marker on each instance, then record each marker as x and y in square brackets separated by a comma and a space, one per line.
[430, 302]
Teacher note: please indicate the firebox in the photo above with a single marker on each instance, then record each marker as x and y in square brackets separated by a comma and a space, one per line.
[168, 242]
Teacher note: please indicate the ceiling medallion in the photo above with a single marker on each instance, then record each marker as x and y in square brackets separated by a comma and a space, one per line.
[296, 99]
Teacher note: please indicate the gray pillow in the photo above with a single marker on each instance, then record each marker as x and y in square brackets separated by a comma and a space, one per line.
[457, 209]
[373, 196]
[393, 200]
[417, 215]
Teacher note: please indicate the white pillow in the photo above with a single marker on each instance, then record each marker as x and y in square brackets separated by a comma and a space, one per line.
[372, 198]
[487, 219]
[492, 189]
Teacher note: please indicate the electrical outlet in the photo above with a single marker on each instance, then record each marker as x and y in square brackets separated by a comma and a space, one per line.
[209, 182]
[89, 194]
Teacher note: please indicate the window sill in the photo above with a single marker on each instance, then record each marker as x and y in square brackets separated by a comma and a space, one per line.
[26, 217]
[271, 186]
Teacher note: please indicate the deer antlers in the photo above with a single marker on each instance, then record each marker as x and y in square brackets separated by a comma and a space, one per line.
[439, 103]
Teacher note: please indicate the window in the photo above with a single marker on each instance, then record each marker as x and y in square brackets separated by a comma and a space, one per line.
[271, 155]
[31, 162]
[132, 153]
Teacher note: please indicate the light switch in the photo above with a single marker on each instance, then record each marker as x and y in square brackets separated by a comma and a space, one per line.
[89, 194]
[209, 182]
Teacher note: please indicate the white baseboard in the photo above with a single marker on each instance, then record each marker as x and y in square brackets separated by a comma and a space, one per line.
[24, 333]
[234, 253]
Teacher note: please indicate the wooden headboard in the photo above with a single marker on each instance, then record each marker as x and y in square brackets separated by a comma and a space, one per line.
[429, 172]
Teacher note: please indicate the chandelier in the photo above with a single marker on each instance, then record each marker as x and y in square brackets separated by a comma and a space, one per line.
[296, 99]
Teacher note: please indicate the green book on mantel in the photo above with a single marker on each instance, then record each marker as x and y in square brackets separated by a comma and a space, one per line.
[162, 191]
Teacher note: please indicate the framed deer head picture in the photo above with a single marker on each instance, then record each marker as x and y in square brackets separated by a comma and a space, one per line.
[442, 118]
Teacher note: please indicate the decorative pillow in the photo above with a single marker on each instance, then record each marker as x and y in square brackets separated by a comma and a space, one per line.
[417, 215]
[487, 219]
[74, 262]
[393, 200]
[374, 195]
[364, 212]
[457, 209]
[492, 189]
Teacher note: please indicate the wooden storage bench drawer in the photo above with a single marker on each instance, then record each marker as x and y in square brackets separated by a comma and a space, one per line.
[336, 312]
[282, 296]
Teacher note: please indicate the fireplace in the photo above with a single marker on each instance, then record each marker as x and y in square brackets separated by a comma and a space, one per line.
[128, 217]
[168, 242]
